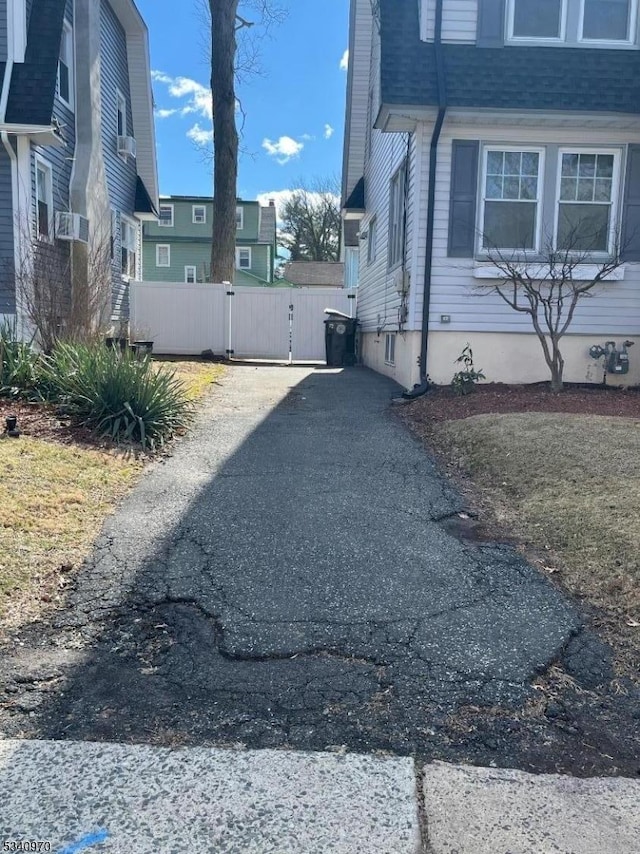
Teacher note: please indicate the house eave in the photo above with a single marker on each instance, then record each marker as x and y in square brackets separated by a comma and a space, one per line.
[39, 134]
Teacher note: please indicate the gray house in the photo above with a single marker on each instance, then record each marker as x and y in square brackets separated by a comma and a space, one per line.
[476, 123]
[77, 144]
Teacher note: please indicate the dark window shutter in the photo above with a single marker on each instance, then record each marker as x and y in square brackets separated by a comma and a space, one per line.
[630, 236]
[463, 197]
[491, 23]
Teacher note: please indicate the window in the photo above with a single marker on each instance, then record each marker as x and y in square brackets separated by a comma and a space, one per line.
[390, 349]
[44, 199]
[128, 247]
[586, 196]
[397, 216]
[536, 19]
[243, 259]
[190, 274]
[163, 255]
[199, 214]
[66, 65]
[121, 102]
[239, 219]
[510, 206]
[608, 20]
[372, 243]
[165, 220]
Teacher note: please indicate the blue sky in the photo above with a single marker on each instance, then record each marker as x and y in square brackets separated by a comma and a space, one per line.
[294, 109]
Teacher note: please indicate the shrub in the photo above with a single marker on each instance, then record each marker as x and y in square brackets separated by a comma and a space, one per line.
[18, 364]
[465, 380]
[115, 394]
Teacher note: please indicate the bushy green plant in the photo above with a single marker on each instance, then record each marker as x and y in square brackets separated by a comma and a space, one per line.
[18, 364]
[117, 395]
[465, 380]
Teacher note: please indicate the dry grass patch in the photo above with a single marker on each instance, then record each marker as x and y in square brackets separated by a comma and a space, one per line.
[54, 502]
[197, 375]
[569, 484]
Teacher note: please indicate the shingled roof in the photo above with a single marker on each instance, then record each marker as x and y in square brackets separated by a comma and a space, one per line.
[510, 77]
[33, 82]
[328, 274]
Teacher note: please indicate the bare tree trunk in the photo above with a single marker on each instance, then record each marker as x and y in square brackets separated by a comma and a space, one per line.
[225, 138]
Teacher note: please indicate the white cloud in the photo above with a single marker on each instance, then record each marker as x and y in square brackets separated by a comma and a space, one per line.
[328, 131]
[199, 135]
[283, 149]
[165, 114]
[344, 62]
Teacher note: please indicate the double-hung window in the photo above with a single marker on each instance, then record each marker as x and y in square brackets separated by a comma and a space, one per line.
[608, 20]
[44, 199]
[163, 255]
[536, 19]
[588, 182]
[397, 211]
[198, 214]
[128, 247]
[121, 113]
[190, 274]
[165, 218]
[243, 258]
[372, 242]
[65, 66]
[511, 199]
[239, 219]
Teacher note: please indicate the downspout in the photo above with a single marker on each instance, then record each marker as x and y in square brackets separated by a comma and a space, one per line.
[423, 386]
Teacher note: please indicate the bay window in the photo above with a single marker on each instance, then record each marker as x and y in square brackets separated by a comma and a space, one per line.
[510, 202]
[587, 194]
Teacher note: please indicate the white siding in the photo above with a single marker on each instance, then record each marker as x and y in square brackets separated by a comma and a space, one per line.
[459, 20]
[614, 310]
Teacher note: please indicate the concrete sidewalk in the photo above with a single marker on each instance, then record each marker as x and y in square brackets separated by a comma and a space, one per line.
[116, 798]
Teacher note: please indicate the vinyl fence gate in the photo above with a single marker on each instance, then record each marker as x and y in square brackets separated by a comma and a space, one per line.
[278, 324]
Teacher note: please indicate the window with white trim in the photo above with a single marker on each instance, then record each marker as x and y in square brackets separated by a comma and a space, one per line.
[239, 219]
[608, 20]
[243, 258]
[190, 274]
[163, 255]
[121, 113]
[165, 218]
[397, 212]
[44, 199]
[510, 216]
[128, 247]
[66, 66]
[536, 19]
[199, 214]
[587, 197]
[372, 241]
[390, 348]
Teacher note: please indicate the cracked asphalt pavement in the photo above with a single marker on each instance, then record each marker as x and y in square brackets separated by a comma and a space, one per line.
[287, 578]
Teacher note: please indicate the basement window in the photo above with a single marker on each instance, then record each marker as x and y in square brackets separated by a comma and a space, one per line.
[390, 348]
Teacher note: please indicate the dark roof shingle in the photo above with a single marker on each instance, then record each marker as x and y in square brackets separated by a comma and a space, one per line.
[511, 77]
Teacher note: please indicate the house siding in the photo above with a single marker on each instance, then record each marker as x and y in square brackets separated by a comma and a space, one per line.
[121, 174]
[358, 77]
[7, 287]
[613, 310]
[186, 252]
[3, 32]
[459, 20]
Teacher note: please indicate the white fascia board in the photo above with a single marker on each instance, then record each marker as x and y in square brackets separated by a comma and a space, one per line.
[39, 134]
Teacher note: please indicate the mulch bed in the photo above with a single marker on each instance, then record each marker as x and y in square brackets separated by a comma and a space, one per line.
[40, 421]
[441, 404]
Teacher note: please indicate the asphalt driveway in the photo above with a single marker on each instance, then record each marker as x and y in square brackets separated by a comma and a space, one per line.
[288, 578]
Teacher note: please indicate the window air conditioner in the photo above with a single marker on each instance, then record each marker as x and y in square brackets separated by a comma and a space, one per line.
[127, 146]
[72, 226]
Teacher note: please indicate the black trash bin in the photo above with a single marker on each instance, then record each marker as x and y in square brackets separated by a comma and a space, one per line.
[340, 339]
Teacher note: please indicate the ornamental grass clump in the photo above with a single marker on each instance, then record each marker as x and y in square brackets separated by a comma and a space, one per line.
[117, 395]
[18, 364]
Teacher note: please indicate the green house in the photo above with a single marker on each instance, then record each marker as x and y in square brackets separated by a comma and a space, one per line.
[177, 247]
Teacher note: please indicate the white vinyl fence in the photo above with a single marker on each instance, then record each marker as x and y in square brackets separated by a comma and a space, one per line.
[243, 323]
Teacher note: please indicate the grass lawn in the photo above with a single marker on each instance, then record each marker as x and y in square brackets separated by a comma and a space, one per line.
[197, 375]
[57, 490]
[565, 485]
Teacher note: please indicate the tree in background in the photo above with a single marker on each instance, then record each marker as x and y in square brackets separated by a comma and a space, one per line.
[227, 62]
[311, 222]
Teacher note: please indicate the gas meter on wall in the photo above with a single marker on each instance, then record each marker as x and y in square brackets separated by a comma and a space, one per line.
[615, 361]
